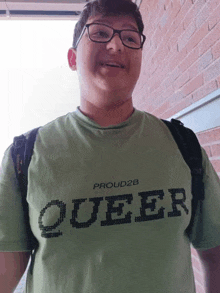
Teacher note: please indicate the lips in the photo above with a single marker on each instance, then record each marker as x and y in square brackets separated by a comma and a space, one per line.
[113, 64]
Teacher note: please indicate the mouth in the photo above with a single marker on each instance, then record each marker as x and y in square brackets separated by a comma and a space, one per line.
[113, 65]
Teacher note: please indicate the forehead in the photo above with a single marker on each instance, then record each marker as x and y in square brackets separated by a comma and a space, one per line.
[122, 21]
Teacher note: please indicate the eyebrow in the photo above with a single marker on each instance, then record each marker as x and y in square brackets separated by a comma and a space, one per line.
[124, 25]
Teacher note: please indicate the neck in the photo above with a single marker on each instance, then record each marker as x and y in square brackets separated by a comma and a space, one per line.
[108, 114]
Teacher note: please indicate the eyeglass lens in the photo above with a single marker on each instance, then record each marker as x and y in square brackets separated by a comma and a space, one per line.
[101, 33]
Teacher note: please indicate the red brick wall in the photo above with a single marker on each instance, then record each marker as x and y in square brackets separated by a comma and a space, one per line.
[181, 57]
[210, 141]
[198, 273]
[181, 64]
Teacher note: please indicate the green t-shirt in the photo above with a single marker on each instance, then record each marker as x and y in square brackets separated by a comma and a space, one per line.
[109, 207]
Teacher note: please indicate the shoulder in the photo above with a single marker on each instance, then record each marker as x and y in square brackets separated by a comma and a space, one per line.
[152, 122]
[58, 123]
[54, 130]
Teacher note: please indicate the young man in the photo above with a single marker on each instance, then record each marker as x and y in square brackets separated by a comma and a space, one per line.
[109, 193]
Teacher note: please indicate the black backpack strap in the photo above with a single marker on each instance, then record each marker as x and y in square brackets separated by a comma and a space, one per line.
[21, 151]
[190, 149]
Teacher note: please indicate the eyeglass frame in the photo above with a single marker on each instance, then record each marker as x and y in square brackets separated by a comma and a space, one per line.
[114, 32]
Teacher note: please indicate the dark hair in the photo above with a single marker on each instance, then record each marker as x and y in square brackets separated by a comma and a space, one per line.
[107, 8]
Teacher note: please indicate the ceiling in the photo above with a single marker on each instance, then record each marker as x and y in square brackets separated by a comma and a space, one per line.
[43, 9]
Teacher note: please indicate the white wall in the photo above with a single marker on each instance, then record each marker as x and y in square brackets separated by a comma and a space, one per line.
[203, 114]
[36, 84]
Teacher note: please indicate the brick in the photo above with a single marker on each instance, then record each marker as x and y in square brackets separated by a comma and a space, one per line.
[216, 132]
[176, 8]
[161, 54]
[160, 95]
[175, 73]
[166, 82]
[187, 5]
[208, 150]
[165, 72]
[214, 17]
[204, 138]
[161, 109]
[183, 79]
[205, 60]
[145, 70]
[160, 11]
[218, 81]
[164, 67]
[213, 4]
[174, 25]
[185, 37]
[216, 165]
[199, 277]
[189, 60]
[203, 91]
[198, 36]
[199, 288]
[209, 136]
[153, 44]
[200, 64]
[153, 69]
[196, 263]
[148, 31]
[165, 30]
[167, 4]
[216, 50]
[187, 101]
[157, 78]
[173, 48]
[203, 15]
[164, 19]
[193, 85]
[155, 98]
[155, 85]
[192, 14]
[157, 38]
[201, 138]
[174, 37]
[194, 252]
[168, 92]
[176, 97]
[177, 58]
[212, 37]
[164, 87]
[194, 70]
[171, 77]
[212, 72]
[215, 149]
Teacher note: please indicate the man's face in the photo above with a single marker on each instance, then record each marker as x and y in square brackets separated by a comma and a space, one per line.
[93, 59]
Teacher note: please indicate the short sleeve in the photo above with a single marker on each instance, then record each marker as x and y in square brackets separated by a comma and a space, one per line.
[206, 227]
[13, 231]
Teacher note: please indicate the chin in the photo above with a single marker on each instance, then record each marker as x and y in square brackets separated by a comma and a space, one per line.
[114, 86]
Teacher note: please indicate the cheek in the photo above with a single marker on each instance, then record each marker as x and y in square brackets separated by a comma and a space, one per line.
[136, 65]
[88, 58]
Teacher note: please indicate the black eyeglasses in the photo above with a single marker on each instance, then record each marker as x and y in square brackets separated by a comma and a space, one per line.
[102, 33]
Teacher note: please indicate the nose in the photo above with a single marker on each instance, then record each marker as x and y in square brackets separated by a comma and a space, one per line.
[115, 43]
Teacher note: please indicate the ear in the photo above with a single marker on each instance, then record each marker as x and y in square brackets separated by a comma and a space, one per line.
[72, 59]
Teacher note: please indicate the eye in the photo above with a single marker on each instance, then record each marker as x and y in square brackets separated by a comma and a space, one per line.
[102, 34]
[99, 34]
[130, 39]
